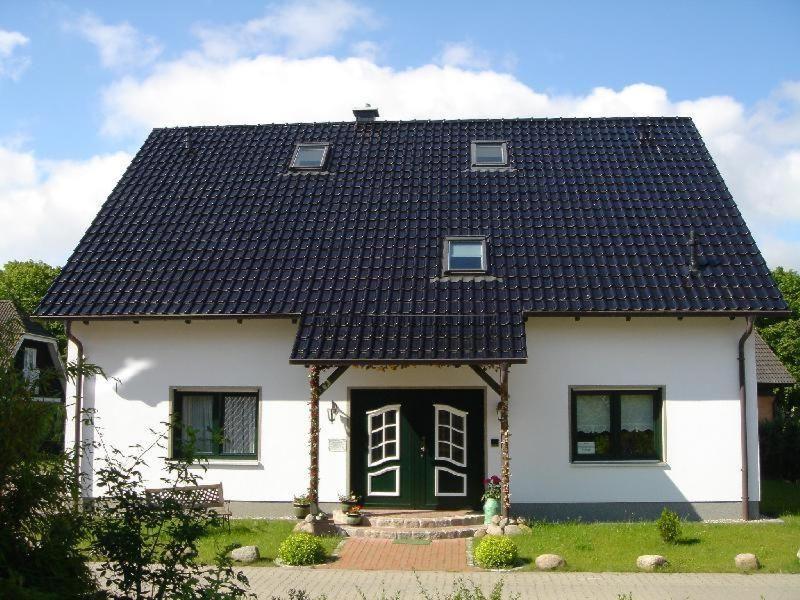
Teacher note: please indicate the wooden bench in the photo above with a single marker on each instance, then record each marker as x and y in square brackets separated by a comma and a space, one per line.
[209, 497]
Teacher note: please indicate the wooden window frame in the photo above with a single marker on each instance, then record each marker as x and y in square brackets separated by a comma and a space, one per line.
[217, 418]
[615, 406]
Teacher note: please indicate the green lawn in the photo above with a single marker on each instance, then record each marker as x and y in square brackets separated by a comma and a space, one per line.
[266, 534]
[603, 546]
[703, 547]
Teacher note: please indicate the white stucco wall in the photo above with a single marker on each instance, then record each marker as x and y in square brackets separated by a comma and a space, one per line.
[694, 359]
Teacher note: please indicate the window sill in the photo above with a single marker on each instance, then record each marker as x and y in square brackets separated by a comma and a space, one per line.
[620, 463]
[226, 462]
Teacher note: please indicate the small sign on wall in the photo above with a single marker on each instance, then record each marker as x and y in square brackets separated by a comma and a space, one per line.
[585, 447]
[337, 445]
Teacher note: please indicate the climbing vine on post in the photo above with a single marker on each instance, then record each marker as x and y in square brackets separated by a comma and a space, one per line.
[313, 436]
[505, 457]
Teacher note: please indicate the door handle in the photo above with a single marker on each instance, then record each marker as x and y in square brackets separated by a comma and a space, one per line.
[422, 447]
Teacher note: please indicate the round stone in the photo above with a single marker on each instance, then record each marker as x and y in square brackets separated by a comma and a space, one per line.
[494, 530]
[309, 518]
[503, 522]
[496, 519]
[746, 561]
[650, 562]
[480, 533]
[524, 528]
[512, 529]
[548, 562]
[245, 554]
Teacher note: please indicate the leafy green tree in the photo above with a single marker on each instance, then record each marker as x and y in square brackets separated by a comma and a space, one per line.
[26, 283]
[40, 532]
[783, 335]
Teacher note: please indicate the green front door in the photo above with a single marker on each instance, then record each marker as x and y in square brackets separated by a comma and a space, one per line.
[417, 448]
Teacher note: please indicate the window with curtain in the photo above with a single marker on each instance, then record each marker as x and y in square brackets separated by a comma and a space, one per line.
[221, 424]
[616, 425]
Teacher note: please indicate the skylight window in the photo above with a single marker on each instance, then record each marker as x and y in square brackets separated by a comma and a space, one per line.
[309, 156]
[465, 254]
[489, 154]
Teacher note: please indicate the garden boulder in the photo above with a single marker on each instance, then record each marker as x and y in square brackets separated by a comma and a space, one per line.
[494, 530]
[650, 562]
[548, 562]
[512, 529]
[746, 562]
[245, 554]
[480, 533]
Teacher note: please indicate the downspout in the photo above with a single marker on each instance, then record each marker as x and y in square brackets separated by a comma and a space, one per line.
[78, 408]
[743, 418]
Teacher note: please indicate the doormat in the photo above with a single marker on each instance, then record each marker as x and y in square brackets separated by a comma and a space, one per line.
[412, 541]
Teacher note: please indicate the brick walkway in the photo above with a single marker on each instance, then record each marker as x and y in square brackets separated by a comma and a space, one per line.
[381, 555]
[346, 585]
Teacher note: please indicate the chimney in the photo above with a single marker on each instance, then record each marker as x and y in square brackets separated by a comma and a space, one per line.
[365, 114]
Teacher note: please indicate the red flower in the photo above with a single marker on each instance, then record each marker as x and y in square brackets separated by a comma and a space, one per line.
[495, 479]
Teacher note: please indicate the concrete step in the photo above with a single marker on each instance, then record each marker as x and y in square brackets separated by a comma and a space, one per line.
[410, 521]
[419, 533]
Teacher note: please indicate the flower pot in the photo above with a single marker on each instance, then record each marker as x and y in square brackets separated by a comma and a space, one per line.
[353, 519]
[347, 506]
[491, 507]
[301, 510]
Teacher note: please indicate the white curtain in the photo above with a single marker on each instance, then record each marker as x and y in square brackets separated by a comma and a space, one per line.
[197, 415]
[636, 412]
[594, 414]
[240, 425]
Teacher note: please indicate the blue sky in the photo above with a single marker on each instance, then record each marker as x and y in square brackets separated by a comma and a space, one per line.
[81, 84]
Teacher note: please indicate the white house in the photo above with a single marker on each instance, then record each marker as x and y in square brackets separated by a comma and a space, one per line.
[566, 303]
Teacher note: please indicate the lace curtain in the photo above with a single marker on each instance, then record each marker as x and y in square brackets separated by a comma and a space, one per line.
[240, 425]
[636, 412]
[594, 414]
[197, 415]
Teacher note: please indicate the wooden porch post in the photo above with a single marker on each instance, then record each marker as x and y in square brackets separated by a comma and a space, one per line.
[313, 438]
[505, 459]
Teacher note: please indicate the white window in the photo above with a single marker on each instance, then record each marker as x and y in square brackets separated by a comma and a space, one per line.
[451, 435]
[309, 156]
[489, 154]
[465, 254]
[384, 434]
[29, 370]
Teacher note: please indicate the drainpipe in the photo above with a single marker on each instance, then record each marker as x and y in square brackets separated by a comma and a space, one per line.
[78, 409]
[743, 414]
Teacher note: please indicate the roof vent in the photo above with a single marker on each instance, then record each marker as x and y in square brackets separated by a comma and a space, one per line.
[367, 113]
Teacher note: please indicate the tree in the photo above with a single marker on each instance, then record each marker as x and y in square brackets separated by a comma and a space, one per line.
[783, 335]
[25, 283]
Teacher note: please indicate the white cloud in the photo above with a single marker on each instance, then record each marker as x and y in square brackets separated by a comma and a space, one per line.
[120, 46]
[463, 55]
[297, 29]
[11, 63]
[46, 206]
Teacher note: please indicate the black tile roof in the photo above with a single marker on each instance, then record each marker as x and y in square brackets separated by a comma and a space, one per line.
[591, 216]
[769, 368]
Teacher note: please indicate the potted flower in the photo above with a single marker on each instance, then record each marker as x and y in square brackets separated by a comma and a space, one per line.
[353, 515]
[491, 498]
[302, 506]
[348, 501]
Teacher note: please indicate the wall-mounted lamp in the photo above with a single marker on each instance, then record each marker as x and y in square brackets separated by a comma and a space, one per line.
[499, 411]
[333, 411]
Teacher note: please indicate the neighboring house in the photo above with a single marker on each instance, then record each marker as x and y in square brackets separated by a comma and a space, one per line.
[34, 352]
[570, 297]
[771, 375]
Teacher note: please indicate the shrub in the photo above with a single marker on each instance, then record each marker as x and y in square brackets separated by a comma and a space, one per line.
[669, 526]
[496, 552]
[301, 549]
